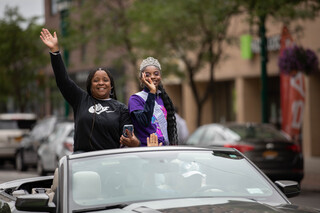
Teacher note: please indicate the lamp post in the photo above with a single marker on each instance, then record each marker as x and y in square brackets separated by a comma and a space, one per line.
[264, 60]
[63, 7]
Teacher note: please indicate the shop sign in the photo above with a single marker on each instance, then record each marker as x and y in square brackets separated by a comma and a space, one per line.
[273, 44]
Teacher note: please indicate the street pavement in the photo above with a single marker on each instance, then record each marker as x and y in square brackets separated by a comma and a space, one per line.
[310, 184]
[311, 180]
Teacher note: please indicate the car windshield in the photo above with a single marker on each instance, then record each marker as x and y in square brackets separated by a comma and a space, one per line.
[257, 132]
[16, 124]
[9, 125]
[142, 176]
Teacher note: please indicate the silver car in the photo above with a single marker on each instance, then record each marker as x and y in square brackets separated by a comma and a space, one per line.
[13, 126]
[270, 149]
[58, 144]
[153, 179]
[26, 155]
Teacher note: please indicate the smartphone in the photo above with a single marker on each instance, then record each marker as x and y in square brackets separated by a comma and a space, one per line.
[128, 127]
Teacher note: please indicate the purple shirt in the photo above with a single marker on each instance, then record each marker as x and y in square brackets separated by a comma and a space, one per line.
[136, 103]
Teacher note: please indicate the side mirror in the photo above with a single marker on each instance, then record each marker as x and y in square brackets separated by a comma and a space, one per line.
[288, 187]
[35, 203]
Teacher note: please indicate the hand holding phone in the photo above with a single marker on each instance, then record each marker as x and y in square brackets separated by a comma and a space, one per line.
[128, 127]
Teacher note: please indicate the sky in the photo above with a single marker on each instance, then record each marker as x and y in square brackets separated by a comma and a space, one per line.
[27, 8]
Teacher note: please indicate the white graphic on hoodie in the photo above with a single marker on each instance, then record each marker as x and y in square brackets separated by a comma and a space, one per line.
[98, 109]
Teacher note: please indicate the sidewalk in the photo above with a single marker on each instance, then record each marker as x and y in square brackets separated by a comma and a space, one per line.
[311, 180]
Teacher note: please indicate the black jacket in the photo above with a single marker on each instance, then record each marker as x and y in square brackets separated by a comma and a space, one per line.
[98, 123]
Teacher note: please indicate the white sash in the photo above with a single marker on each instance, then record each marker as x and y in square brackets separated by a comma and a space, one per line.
[158, 113]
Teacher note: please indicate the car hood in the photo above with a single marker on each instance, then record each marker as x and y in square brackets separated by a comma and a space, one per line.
[6, 134]
[16, 183]
[209, 205]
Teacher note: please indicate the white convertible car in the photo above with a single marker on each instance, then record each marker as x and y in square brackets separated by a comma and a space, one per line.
[153, 179]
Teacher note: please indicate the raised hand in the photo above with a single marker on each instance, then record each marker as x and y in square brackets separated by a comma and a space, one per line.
[153, 140]
[149, 83]
[49, 40]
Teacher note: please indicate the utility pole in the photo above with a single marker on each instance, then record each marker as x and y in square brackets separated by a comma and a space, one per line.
[63, 6]
[264, 60]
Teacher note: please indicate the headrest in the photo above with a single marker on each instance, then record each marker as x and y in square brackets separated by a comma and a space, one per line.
[86, 185]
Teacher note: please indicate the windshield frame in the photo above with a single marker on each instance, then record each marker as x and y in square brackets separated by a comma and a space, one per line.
[165, 156]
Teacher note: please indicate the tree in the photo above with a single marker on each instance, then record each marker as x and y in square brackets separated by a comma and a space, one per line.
[191, 31]
[21, 57]
[284, 11]
[107, 25]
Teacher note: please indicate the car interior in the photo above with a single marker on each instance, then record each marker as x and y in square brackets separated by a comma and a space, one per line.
[86, 186]
[46, 186]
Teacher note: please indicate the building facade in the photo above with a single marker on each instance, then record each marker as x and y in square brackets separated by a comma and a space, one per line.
[237, 91]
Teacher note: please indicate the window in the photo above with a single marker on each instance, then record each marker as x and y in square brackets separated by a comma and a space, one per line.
[53, 7]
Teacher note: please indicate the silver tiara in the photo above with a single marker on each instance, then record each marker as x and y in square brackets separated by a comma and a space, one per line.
[150, 61]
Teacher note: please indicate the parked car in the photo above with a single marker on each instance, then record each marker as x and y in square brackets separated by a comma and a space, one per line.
[26, 154]
[153, 179]
[57, 145]
[271, 150]
[13, 126]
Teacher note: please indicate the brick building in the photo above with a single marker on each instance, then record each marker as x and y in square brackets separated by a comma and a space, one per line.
[237, 92]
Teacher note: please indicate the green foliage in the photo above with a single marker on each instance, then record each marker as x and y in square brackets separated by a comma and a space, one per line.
[104, 25]
[190, 33]
[284, 11]
[174, 29]
[21, 56]
[103, 22]
[184, 35]
[280, 10]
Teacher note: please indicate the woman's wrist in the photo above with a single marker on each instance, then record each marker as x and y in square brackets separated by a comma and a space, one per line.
[54, 49]
[136, 142]
[153, 91]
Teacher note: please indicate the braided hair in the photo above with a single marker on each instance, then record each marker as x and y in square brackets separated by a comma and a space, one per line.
[171, 118]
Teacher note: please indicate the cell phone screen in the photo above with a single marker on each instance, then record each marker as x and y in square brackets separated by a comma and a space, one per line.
[128, 127]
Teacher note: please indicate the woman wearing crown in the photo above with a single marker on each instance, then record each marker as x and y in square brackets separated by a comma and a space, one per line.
[151, 109]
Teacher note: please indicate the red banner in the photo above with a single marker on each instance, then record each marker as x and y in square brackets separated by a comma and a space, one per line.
[292, 94]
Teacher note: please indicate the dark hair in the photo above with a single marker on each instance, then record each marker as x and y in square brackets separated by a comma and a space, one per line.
[112, 95]
[90, 76]
[171, 118]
